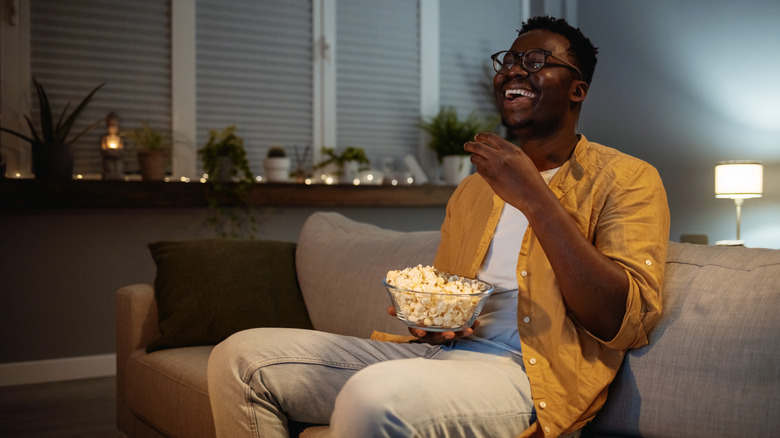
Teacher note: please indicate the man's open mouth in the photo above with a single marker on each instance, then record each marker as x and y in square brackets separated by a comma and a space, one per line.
[518, 92]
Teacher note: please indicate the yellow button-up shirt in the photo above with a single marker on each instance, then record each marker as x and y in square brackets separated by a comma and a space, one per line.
[619, 204]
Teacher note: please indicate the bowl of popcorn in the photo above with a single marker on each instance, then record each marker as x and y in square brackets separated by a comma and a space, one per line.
[429, 299]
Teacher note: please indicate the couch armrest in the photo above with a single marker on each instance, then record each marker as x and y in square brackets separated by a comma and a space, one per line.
[136, 318]
[136, 327]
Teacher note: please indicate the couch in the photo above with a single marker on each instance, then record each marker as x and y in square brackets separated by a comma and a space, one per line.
[711, 369]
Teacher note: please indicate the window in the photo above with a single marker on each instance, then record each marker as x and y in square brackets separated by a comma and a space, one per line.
[254, 70]
[378, 77]
[333, 73]
[466, 71]
[74, 46]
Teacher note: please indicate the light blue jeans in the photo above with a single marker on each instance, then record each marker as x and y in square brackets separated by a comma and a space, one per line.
[258, 378]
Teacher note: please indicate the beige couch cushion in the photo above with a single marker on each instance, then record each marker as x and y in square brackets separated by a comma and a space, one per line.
[354, 302]
[170, 392]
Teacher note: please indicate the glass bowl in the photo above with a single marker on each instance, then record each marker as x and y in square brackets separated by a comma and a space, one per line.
[438, 312]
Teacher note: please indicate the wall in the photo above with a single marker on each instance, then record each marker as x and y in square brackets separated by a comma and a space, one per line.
[61, 267]
[684, 85]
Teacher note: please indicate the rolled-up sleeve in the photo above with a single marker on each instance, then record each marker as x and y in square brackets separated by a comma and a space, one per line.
[634, 232]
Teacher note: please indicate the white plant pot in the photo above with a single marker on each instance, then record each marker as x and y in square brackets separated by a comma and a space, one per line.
[456, 167]
[349, 172]
[277, 169]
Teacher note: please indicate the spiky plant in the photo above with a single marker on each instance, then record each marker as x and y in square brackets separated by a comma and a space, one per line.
[51, 133]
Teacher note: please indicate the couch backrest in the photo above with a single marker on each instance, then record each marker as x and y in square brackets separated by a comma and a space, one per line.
[712, 368]
[330, 245]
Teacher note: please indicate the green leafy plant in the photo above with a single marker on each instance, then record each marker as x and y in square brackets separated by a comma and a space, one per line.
[51, 133]
[349, 153]
[230, 183]
[149, 139]
[225, 146]
[449, 133]
[154, 149]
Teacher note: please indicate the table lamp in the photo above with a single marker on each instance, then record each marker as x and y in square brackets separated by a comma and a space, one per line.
[738, 180]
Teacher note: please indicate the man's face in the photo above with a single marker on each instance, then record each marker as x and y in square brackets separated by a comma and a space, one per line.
[535, 101]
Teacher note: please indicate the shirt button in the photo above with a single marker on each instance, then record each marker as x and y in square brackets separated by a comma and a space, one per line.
[648, 262]
[542, 405]
[532, 361]
[526, 320]
[524, 274]
[546, 429]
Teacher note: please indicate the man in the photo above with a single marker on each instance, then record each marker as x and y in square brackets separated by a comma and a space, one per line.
[572, 234]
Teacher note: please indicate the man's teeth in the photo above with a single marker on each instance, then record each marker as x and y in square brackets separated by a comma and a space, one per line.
[511, 94]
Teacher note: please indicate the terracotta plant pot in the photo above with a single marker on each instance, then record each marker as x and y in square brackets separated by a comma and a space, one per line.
[153, 165]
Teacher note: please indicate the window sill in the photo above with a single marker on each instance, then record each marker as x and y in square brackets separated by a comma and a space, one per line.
[32, 193]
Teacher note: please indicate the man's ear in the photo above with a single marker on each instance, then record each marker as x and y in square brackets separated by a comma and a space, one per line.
[579, 91]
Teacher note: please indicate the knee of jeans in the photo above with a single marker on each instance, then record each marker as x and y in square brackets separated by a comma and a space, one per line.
[230, 355]
[373, 403]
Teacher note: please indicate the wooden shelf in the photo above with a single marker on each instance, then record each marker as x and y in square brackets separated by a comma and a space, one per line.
[32, 193]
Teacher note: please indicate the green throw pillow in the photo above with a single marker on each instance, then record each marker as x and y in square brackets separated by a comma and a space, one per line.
[208, 289]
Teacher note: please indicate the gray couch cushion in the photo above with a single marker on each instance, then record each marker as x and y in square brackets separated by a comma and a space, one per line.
[361, 254]
[712, 368]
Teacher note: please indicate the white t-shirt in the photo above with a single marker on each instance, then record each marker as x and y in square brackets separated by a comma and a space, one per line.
[498, 319]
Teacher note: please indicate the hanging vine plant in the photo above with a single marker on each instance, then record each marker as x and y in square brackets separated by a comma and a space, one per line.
[229, 182]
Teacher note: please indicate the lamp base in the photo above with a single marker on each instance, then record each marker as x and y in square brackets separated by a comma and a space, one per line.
[730, 243]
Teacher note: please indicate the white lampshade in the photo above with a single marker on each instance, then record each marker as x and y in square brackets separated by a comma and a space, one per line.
[739, 179]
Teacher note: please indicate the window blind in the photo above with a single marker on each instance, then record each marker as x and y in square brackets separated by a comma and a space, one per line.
[378, 77]
[77, 45]
[470, 33]
[254, 70]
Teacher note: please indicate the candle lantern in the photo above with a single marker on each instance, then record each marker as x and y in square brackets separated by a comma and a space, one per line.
[111, 146]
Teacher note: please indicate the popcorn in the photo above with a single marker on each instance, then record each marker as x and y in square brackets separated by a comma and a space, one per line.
[453, 309]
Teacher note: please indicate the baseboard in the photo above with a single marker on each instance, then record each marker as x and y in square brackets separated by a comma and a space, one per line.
[55, 370]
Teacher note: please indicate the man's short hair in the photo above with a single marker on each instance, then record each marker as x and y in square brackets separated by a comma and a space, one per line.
[580, 47]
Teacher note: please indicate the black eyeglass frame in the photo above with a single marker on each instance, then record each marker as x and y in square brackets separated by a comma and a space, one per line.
[530, 69]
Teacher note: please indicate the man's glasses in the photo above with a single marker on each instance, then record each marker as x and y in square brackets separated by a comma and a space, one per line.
[532, 61]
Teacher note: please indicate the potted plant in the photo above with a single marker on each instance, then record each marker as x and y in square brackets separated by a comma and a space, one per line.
[154, 150]
[346, 164]
[230, 178]
[301, 161]
[51, 148]
[277, 165]
[448, 135]
[224, 157]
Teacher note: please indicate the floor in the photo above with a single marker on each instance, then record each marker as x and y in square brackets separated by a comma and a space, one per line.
[78, 408]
